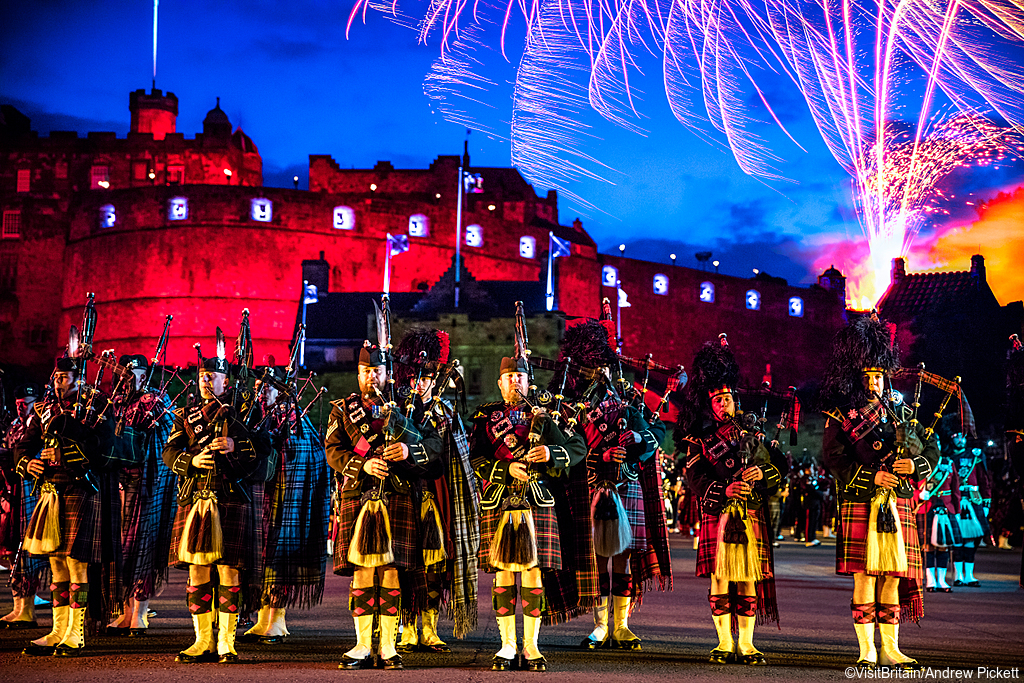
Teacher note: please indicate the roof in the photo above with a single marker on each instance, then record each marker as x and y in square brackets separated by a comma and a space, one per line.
[914, 294]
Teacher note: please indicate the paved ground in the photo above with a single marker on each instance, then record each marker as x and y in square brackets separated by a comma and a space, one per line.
[964, 629]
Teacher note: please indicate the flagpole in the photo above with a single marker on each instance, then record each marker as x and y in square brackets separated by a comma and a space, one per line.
[302, 341]
[550, 293]
[387, 263]
[618, 313]
[458, 222]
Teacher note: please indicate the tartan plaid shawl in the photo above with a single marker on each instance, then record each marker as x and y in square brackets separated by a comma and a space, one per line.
[462, 509]
[655, 562]
[296, 509]
[572, 591]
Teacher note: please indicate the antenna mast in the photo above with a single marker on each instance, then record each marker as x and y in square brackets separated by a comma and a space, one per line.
[156, 5]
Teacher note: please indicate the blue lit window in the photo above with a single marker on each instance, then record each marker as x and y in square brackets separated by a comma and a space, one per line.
[796, 307]
[527, 247]
[262, 210]
[474, 236]
[609, 276]
[419, 225]
[707, 292]
[177, 209]
[753, 300]
[108, 216]
[344, 218]
[661, 284]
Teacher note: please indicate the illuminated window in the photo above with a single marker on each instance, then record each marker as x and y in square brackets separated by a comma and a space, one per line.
[661, 284]
[177, 209]
[262, 210]
[344, 218]
[108, 216]
[527, 247]
[707, 292]
[175, 175]
[796, 307]
[12, 225]
[24, 179]
[97, 175]
[474, 236]
[753, 300]
[419, 225]
[609, 276]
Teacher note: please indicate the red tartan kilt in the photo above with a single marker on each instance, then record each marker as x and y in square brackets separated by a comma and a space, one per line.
[238, 527]
[405, 534]
[81, 526]
[851, 539]
[707, 550]
[545, 523]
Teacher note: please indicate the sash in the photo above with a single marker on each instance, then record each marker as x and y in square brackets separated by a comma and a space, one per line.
[604, 425]
[966, 471]
[722, 442]
[859, 423]
[365, 433]
[508, 445]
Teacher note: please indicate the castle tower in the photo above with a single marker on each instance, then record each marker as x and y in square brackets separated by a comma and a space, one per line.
[835, 282]
[154, 112]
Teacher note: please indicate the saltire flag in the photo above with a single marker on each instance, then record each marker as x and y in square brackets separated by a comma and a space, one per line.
[311, 295]
[398, 244]
[560, 247]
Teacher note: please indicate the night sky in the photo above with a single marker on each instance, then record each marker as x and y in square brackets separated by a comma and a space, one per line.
[288, 77]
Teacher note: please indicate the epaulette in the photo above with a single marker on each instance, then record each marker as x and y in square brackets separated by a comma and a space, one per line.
[835, 414]
[485, 409]
[339, 404]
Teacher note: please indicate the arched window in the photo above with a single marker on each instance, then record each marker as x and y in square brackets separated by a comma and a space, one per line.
[108, 216]
[661, 284]
[707, 292]
[753, 300]
[262, 210]
[474, 236]
[177, 209]
[527, 247]
[609, 276]
[419, 225]
[344, 218]
[796, 307]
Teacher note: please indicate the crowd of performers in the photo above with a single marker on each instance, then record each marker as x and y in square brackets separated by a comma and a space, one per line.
[556, 492]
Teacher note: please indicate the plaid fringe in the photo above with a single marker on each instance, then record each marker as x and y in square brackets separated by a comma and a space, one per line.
[654, 566]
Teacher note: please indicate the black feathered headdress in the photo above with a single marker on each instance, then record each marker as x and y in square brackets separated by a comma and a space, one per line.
[589, 344]
[714, 371]
[409, 353]
[865, 344]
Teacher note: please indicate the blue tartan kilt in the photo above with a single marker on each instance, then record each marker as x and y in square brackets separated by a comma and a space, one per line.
[403, 515]
[545, 523]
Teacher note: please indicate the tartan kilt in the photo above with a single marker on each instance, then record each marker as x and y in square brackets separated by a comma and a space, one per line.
[81, 526]
[968, 529]
[403, 513]
[851, 539]
[633, 501]
[707, 549]
[943, 529]
[238, 525]
[545, 523]
[27, 576]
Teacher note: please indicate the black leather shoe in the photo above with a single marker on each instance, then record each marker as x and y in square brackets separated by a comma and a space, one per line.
[539, 664]
[39, 650]
[353, 663]
[392, 662]
[973, 584]
[201, 658]
[930, 589]
[18, 625]
[591, 643]
[753, 659]
[947, 589]
[633, 644]
[912, 665]
[116, 631]
[68, 651]
[438, 649]
[248, 638]
[228, 658]
[406, 648]
[721, 657]
[866, 665]
[501, 664]
[137, 632]
[958, 582]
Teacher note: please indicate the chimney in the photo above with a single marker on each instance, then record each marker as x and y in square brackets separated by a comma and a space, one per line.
[899, 269]
[978, 269]
[577, 225]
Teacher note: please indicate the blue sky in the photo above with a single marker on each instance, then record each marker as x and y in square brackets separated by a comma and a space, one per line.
[287, 75]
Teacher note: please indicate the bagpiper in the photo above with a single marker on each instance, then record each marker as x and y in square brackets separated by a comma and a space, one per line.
[941, 496]
[70, 451]
[1015, 413]
[874, 455]
[381, 458]
[628, 520]
[734, 473]
[217, 459]
[516, 451]
[975, 501]
[27, 571]
[450, 507]
[148, 494]
[296, 509]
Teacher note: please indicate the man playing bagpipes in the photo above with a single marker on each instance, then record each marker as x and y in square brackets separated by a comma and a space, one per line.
[941, 497]
[145, 420]
[734, 473]
[19, 500]
[69, 449]
[450, 507]
[975, 501]
[874, 452]
[296, 506]
[217, 459]
[1015, 414]
[382, 458]
[516, 450]
[619, 445]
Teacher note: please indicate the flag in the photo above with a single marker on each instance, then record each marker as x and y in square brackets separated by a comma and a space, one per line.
[623, 301]
[398, 243]
[560, 247]
[311, 295]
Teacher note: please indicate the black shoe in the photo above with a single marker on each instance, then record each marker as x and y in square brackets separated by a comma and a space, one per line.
[201, 658]
[228, 658]
[591, 643]
[116, 631]
[958, 582]
[392, 662]
[930, 589]
[406, 648]
[633, 644]
[248, 638]
[866, 665]
[947, 589]
[39, 650]
[969, 584]
[539, 664]
[137, 632]
[912, 665]
[501, 664]
[18, 625]
[353, 663]
[438, 649]
[753, 659]
[721, 657]
[68, 651]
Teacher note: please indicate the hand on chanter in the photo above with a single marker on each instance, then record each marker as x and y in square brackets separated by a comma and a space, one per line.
[614, 454]
[753, 473]
[538, 454]
[887, 480]
[396, 451]
[738, 490]
[519, 471]
[903, 466]
[376, 467]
